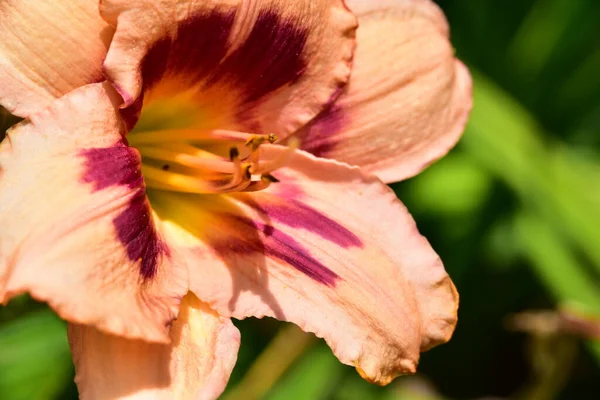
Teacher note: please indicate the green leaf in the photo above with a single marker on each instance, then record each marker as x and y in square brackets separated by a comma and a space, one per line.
[559, 269]
[508, 142]
[540, 32]
[556, 264]
[454, 186]
[35, 361]
[314, 377]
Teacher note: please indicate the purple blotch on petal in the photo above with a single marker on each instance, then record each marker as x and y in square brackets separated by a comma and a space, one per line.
[200, 45]
[269, 58]
[110, 166]
[318, 138]
[136, 230]
[285, 248]
[276, 244]
[119, 165]
[298, 215]
[154, 64]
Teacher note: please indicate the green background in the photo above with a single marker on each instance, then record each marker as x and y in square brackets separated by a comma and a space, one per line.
[514, 212]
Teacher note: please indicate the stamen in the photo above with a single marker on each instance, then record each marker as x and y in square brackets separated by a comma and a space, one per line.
[264, 182]
[244, 181]
[209, 173]
[240, 173]
[192, 135]
[191, 150]
[161, 179]
[254, 144]
[210, 164]
[166, 180]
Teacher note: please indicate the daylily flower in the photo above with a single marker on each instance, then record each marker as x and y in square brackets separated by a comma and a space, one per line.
[144, 200]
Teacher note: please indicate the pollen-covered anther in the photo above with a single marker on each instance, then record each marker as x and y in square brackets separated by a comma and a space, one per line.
[253, 143]
[256, 140]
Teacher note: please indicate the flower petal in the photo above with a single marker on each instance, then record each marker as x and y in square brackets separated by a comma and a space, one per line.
[77, 230]
[196, 365]
[327, 248]
[48, 49]
[408, 99]
[269, 66]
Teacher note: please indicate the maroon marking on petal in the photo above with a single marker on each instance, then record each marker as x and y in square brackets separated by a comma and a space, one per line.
[322, 148]
[298, 215]
[334, 96]
[136, 230]
[270, 58]
[154, 64]
[319, 136]
[111, 166]
[119, 165]
[283, 247]
[287, 186]
[276, 244]
[200, 45]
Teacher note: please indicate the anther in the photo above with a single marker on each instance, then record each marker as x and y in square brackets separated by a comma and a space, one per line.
[255, 141]
[247, 173]
[255, 186]
[234, 153]
[271, 178]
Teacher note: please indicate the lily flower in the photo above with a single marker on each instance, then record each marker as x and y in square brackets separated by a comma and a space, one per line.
[162, 182]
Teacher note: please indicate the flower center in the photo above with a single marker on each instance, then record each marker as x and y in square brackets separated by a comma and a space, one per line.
[206, 161]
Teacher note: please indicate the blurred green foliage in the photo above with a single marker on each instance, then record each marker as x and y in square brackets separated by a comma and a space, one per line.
[514, 211]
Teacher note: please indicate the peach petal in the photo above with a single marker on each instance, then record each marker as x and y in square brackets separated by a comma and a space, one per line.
[408, 99]
[47, 49]
[77, 230]
[327, 248]
[195, 365]
[267, 66]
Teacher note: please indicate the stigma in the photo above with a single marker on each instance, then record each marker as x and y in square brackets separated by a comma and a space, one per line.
[213, 161]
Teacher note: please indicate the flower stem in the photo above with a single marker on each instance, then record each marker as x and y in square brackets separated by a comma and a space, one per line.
[285, 349]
